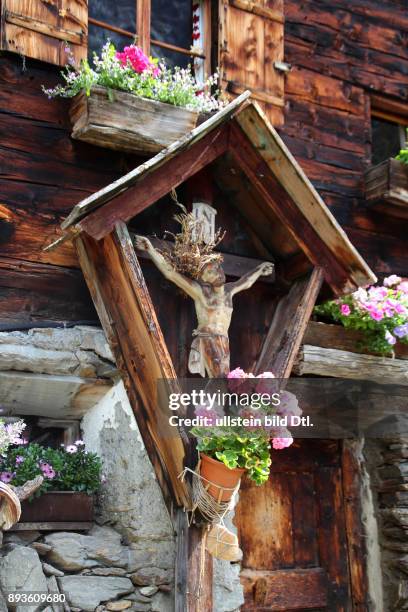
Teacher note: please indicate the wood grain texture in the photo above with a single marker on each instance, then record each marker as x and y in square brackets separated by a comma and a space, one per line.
[41, 29]
[86, 206]
[332, 336]
[250, 41]
[343, 364]
[128, 123]
[386, 185]
[290, 196]
[352, 474]
[36, 293]
[285, 590]
[127, 315]
[288, 326]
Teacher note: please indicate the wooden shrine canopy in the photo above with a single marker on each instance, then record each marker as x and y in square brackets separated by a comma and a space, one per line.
[278, 200]
[254, 168]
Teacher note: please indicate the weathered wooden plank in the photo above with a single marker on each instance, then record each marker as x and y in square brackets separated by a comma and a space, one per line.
[291, 197]
[332, 336]
[271, 548]
[35, 292]
[200, 572]
[56, 396]
[288, 326]
[344, 364]
[321, 89]
[89, 204]
[250, 42]
[297, 589]
[181, 561]
[290, 176]
[128, 123]
[331, 529]
[32, 29]
[155, 185]
[352, 474]
[127, 315]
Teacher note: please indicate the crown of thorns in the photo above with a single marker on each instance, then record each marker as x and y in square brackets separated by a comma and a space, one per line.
[190, 254]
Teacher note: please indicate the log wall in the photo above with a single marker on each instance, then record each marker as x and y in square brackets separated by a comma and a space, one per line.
[341, 53]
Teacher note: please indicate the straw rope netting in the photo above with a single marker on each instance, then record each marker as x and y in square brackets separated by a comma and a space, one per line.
[220, 541]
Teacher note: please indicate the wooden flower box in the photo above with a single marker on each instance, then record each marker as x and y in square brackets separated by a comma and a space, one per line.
[58, 507]
[128, 123]
[386, 186]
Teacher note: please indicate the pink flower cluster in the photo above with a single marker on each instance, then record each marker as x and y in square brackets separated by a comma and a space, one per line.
[139, 61]
[240, 381]
[47, 470]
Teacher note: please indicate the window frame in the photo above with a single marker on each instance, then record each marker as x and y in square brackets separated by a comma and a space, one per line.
[142, 35]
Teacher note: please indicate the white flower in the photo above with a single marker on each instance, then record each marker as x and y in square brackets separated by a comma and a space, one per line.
[71, 448]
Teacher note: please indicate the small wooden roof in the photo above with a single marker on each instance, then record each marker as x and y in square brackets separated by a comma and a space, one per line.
[263, 180]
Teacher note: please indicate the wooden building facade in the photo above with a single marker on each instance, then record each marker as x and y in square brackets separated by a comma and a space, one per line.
[332, 78]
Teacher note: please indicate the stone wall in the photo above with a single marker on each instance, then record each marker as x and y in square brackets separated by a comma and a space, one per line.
[127, 560]
[387, 462]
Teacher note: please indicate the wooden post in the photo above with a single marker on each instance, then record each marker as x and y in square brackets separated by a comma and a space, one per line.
[143, 19]
[289, 323]
[352, 459]
[120, 295]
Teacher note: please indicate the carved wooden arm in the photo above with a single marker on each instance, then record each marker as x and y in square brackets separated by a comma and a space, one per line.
[247, 280]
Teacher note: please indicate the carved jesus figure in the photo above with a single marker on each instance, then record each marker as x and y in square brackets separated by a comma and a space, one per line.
[213, 304]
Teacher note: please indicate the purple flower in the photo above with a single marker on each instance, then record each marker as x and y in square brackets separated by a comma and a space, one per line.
[345, 310]
[401, 331]
[390, 338]
[71, 448]
[392, 280]
[6, 477]
[19, 459]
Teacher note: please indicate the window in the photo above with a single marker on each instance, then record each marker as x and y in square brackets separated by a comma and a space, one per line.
[387, 139]
[389, 121]
[169, 29]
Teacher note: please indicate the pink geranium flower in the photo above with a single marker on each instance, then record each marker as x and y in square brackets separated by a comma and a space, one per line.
[134, 56]
[208, 413]
[345, 310]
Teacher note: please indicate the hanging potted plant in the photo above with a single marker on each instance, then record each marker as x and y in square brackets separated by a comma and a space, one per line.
[71, 476]
[243, 444]
[130, 102]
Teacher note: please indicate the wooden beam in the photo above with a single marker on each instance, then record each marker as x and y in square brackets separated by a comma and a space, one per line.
[233, 265]
[352, 478]
[344, 364]
[47, 395]
[200, 571]
[99, 198]
[117, 286]
[143, 20]
[282, 205]
[289, 323]
[327, 335]
[156, 185]
[278, 175]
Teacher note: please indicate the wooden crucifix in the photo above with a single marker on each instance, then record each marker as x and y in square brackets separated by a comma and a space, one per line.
[212, 295]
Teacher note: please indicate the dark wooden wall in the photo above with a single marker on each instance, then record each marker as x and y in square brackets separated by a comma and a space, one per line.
[341, 53]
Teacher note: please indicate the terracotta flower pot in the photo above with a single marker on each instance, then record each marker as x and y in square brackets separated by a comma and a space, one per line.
[218, 473]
